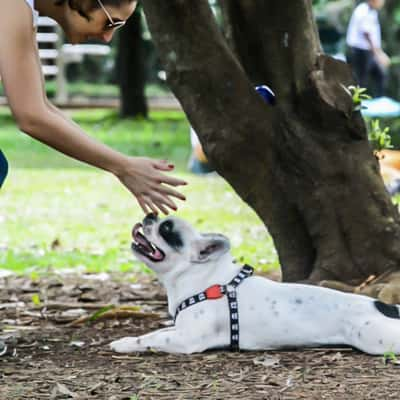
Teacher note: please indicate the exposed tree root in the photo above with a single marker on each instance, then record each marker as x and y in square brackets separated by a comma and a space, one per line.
[385, 287]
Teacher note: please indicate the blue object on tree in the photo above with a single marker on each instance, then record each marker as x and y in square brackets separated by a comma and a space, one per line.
[267, 94]
[381, 107]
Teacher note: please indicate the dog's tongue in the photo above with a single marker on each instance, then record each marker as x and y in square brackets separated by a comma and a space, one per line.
[139, 238]
[157, 254]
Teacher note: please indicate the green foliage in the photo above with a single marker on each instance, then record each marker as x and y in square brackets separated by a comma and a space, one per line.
[394, 126]
[320, 4]
[36, 300]
[358, 95]
[389, 356]
[378, 137]
[96, 315]
[58, 213]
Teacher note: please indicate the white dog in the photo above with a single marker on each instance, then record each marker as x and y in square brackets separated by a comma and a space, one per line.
[218, 304]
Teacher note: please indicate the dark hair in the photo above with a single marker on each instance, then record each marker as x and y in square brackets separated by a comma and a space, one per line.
[89, 5]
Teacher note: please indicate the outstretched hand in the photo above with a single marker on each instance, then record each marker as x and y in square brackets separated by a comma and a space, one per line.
[152, 189]
[382, 59]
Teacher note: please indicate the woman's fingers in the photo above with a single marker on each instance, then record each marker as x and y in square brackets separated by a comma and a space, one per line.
[161, 199]
[163, 165]
[163, 209]
[152, 188]
[142, 204]
[148, 205]
[165, 190]
[153, 207]
[157, 199]
[170, 180]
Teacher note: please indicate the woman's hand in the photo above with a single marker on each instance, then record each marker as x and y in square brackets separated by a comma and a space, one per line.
[151, 188]
[382, 58]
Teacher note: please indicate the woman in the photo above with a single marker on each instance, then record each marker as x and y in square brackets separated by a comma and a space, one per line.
[22, 78]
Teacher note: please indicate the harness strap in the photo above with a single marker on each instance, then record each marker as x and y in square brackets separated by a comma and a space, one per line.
[218, 291]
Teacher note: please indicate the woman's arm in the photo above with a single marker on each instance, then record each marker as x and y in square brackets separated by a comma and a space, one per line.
[23, 82]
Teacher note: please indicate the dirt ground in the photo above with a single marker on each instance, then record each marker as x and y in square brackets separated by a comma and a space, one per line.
[60, 358]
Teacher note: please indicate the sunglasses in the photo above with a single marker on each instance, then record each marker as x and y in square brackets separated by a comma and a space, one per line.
[112, 24]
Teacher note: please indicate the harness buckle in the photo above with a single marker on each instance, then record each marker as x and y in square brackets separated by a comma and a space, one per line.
[214, 292]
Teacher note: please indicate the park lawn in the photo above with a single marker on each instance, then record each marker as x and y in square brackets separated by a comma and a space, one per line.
[58, 213]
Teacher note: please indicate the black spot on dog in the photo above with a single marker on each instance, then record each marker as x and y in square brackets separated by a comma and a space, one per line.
[298, 301]
[367, 323]
[387, 310]
[219, 328]
[173, 238]
[138, 341]
[167, 340]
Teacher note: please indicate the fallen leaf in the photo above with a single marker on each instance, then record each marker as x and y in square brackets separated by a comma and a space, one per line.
[269, 362]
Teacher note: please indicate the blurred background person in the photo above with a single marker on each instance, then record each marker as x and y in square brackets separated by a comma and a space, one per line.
[364, 47]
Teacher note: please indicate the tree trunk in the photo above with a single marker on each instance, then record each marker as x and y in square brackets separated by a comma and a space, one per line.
[304, 165]
[131, 66]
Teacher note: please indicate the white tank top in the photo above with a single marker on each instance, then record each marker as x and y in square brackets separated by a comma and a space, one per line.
[35, 14]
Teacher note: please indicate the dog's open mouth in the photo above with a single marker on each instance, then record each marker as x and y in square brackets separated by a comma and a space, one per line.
[143, 246]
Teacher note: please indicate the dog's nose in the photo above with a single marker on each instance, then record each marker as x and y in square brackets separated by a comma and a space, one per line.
[150, 219]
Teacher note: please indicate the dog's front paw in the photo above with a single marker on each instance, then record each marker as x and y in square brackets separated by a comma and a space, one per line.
[126, 345]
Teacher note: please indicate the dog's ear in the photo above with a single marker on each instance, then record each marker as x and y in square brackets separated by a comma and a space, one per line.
[209, 247]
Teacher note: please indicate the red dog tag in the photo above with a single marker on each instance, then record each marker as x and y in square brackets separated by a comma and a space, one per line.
[214, 292]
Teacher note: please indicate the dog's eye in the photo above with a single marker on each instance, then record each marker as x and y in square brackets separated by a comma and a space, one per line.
[166, 227]
[166, 231]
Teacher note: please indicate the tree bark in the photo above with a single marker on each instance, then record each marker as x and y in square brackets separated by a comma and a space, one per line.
[304, 165]
[131, 67]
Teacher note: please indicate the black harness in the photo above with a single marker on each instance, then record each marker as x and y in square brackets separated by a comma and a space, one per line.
[218, 291]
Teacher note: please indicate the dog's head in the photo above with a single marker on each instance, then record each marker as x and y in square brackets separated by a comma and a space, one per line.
[173, 244]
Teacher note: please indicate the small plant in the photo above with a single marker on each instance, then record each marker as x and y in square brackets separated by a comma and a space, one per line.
[36, 300]
[389, 357]
[34, 276]
[378, 137]
[100, 312]
[358, 94]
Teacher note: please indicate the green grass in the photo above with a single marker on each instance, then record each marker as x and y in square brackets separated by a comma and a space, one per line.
[58, 213]
[102, 90]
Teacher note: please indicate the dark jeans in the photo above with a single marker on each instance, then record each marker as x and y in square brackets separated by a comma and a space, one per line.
[366, 69]
[3, 168]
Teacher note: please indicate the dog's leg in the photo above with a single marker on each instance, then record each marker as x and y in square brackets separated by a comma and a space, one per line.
[169, 340]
